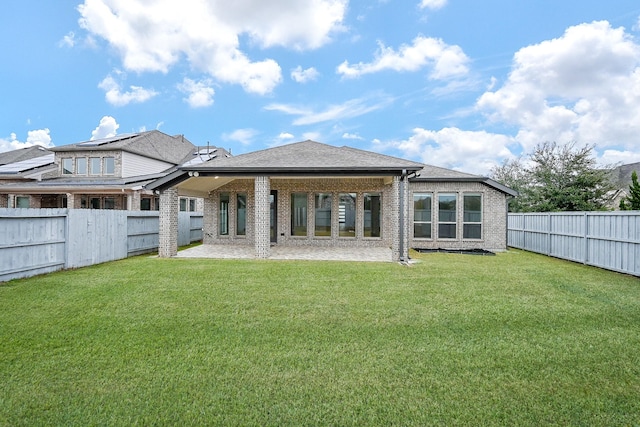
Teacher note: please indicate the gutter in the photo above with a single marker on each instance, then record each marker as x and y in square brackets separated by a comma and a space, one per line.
[403, 178]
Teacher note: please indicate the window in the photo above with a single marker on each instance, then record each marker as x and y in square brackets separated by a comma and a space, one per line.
[183, 204]
[298, 214]
[145, 204]
[109, 203]
[22, 202]
[472, 218]
[94, 166]
[94, 203]
[81, 165]
[224, 214]
[422, 215]
[192, 205]
[241, 214]
[347, 214]
[67, 166]
[323, 214]
[372, 214]
[108, 167]
[447, 216]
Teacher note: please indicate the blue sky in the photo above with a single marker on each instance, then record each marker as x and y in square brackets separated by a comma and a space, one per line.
[460, 84]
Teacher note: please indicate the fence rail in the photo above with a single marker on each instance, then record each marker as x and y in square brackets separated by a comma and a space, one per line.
[37, 241]
[609, 240]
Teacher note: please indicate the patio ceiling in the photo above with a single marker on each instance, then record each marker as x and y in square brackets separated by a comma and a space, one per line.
[201, 186]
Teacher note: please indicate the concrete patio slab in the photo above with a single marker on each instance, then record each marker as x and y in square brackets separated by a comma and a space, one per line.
[289, 253]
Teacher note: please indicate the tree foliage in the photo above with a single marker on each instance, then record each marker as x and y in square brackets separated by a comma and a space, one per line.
[632, 201]
[557, 178]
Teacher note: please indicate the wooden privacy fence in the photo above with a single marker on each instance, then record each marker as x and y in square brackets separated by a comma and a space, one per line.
[609, 240]
[37, 241]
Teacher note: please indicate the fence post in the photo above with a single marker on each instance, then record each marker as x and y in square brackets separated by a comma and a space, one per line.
[586, 238]
[67, 245]
[549, 234]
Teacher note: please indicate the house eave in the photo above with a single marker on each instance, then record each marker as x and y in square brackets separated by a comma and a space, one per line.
[183, 174]
[481, 179]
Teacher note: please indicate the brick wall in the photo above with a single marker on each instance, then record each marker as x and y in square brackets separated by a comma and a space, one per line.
[261, 217]
[284, 187]
[169, 206]
[494, 216]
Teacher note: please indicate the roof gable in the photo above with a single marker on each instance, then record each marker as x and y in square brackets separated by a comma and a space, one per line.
[310, 156]
[153, 144]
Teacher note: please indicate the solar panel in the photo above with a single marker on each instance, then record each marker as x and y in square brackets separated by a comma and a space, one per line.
[102, 141]
[25, 165]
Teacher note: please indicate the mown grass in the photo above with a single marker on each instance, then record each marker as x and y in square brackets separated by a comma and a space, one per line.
[515, 339]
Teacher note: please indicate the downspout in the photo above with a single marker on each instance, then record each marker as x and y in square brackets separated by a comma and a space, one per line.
[402, 181]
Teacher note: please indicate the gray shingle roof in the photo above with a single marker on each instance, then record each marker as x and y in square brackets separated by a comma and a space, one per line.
[434, 172]
[309, 156]
[153, 144]
[23, 154]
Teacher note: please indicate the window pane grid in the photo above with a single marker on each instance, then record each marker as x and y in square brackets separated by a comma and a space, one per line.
[241, 214]
[347, 214]
[322, 214]
[422, 215]
[298, 214]
[447, 212]
[372, 215]
[472, 217]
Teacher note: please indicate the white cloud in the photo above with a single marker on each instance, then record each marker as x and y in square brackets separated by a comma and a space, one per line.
[350, 109]
[243, 136]
[200, 94]
[107, 128]
[34, 137]
[355, 136]
[432, 4]
[285, 136]
[611, 157]
[303, 76]
[207, 34]
[69, 40]
[583, 87]
[115, 96]
[445, 61]
[469, 151]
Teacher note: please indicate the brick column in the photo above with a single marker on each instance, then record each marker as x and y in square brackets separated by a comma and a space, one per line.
[262, 216]
[169, 206]
[209, 221]
[133, 201]
[394, 205]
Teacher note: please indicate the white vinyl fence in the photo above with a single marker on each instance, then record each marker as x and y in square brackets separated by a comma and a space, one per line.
[37, 241]
[609, 240]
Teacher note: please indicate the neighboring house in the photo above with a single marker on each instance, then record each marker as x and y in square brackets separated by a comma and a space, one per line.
[313, 194]
[107, 173]
[25, 165]
[621, 176]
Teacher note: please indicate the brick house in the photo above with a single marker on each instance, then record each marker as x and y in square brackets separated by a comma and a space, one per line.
[313, 194]
[107, 173]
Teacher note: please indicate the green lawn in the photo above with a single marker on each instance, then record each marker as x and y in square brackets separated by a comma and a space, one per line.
[515, 339]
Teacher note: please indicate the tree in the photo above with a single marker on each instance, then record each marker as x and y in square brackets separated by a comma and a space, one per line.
[632, 201]
[557, 178]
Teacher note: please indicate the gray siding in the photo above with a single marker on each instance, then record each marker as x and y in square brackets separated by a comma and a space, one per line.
[37, 241]
[609, 240]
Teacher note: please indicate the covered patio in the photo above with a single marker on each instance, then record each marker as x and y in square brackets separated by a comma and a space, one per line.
[305, 200]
